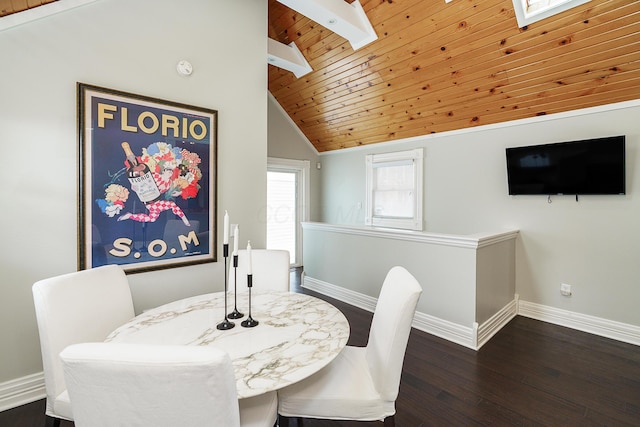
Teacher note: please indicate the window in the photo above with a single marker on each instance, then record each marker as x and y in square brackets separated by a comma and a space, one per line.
[529, 11]
[394, 189]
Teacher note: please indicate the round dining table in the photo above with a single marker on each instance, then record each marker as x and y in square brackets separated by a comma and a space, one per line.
[296, 335]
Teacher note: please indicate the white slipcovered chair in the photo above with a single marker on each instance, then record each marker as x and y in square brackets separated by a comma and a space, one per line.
[362, 383]
[269, 267]
[72, 308]
[142, 385]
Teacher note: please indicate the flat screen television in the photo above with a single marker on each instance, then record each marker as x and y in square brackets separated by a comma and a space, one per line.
[592, 166]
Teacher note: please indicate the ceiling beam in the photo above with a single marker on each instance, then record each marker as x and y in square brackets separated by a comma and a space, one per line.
[347, 20]
[287, 57]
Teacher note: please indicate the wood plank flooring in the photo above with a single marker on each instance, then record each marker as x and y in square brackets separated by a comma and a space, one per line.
[530, 373]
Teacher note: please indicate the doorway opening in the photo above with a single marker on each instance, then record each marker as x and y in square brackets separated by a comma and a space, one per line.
[287, 205]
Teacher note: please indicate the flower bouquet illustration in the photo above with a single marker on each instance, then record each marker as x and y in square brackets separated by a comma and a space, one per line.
[158, 177]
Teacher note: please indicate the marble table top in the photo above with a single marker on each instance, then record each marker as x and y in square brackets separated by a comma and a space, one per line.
[297, 334]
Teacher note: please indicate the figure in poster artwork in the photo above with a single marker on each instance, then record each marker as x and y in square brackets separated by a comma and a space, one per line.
[160, 175]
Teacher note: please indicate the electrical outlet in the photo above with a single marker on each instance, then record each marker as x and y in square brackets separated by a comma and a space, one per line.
[565, 289]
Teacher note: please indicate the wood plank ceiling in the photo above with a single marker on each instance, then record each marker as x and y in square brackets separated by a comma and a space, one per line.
[7, 7]
[440, 66]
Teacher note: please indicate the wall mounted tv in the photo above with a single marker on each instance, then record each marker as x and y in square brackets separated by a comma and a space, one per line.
[592, 166]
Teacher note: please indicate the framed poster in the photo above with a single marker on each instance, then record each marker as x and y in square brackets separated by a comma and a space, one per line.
[147, 181]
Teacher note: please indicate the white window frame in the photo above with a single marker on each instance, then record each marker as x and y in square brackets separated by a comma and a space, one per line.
[416, 156]
[527, 15]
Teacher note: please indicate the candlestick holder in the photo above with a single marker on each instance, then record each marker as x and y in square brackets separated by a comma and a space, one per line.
[235, 314]
[249, 323]
[225, 324]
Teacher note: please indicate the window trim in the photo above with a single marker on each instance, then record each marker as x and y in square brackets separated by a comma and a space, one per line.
[416, 156]
[524, 18]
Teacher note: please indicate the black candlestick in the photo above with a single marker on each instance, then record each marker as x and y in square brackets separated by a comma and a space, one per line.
[235, 314]
[249, 323]
[225, 324]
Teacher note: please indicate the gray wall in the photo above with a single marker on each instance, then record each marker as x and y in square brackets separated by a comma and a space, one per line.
[133, 46]
[287, 142]
[360, 263]
[591, 244]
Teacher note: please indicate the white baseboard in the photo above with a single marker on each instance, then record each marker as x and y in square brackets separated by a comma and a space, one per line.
[21, 391]
[582, 322]
[472, 337]
[476, 336]
[444, 329]
[496, 322]
[357, 299]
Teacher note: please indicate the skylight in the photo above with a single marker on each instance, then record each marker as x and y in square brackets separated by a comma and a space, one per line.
[529, 11]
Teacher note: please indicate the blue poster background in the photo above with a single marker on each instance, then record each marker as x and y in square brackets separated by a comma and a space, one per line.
[116, 239]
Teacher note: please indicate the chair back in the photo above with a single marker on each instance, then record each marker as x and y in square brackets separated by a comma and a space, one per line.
[118, 384]
[269, 267]
[390, 330]
[77, 307]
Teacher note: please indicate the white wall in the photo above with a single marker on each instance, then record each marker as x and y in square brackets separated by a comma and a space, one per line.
[591, 244]
[287, 142]
[359, 263]
[133, 46]
[468, 282]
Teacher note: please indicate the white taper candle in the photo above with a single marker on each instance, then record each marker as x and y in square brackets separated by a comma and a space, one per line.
[236, 234]
[249, 267]
[225, 240]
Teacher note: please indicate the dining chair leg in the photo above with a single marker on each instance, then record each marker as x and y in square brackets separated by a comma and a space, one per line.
[51, 421]
[390, 421]
[283, 421]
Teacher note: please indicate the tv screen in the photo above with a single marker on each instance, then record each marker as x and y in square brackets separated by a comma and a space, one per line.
[593, 166]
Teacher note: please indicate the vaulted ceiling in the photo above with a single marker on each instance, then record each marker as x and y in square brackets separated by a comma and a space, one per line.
[8, 7]
[439, 66]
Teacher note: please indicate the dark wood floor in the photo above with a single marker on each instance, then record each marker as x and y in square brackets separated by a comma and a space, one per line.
[530, 373]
